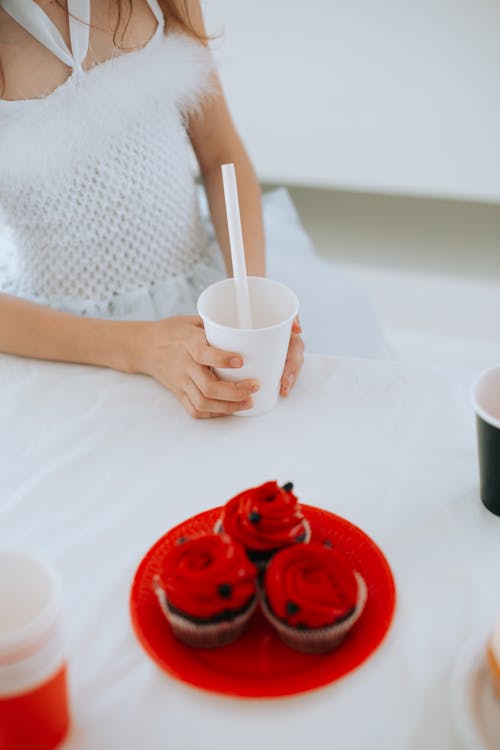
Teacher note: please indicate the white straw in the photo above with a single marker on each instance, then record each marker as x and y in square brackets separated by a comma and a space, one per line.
[236, 243]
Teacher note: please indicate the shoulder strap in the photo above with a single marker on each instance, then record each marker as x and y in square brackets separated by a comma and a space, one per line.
[79, 29]
[157, 11]
[31, 17]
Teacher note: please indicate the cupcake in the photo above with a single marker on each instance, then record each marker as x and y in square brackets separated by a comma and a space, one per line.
[493, 653]
[264, 519]
[312, 596]
[207, 590]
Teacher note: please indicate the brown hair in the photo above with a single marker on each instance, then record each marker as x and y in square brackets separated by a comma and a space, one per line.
[176, 11]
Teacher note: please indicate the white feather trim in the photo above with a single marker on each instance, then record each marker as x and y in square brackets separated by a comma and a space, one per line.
[42, 135]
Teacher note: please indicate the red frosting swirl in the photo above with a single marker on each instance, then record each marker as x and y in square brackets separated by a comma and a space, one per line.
[207, 575]
[264, 518]
[310, 585]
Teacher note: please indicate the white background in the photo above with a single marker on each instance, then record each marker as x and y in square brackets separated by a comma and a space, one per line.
[392, 96]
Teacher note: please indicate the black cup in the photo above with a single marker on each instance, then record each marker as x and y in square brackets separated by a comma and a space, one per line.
[486, 401]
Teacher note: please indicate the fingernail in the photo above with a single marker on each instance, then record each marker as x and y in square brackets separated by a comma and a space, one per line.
[291, 380]
[254, 387]
[247, 404]
[235, 362]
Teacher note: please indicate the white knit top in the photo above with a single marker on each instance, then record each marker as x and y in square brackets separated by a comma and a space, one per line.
[96, 178]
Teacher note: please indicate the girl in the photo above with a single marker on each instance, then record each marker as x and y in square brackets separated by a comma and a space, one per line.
[100, 100]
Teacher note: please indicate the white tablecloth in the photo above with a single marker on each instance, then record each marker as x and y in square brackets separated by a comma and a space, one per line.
[96, 465]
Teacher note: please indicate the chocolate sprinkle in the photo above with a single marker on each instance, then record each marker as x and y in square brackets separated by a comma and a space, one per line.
[292, 608]
[182, 539]
[254, 517]
[225, 590]
[301, 537]
[288, 487]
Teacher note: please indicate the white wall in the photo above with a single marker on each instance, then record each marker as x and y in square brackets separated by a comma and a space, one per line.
[392, 96]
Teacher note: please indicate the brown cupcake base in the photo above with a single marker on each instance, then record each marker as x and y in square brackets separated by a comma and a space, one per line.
[207, 634]
[317, 640]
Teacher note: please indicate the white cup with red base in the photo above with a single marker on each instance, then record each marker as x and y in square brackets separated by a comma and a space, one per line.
[34, 711]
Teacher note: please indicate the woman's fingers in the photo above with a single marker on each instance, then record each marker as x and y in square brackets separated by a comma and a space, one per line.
[205, 395]
[209, 356]
[204, 406]
[213, 388]
[191, 409]
[294, 361]
[176, 353]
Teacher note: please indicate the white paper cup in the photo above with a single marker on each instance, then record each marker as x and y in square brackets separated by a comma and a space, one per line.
[33, 688]
[264, 347]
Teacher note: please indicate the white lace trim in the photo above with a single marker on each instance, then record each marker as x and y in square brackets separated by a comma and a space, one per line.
[175, 296]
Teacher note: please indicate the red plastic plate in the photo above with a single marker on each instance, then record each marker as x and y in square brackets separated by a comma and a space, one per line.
[259, 665]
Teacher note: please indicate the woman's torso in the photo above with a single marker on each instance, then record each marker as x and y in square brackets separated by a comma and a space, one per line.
[96, 176]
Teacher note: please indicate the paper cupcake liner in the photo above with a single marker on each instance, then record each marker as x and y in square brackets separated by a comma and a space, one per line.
[261, 558]
[317, 640]
[204, 635]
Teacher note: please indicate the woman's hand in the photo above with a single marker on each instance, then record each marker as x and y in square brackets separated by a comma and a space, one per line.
[175, 352]
[294, 359]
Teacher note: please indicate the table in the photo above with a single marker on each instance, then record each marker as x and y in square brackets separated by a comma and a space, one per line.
[96, 465]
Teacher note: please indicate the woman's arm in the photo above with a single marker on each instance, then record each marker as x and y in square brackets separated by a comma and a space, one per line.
[215, 142]
[31, 330]
[174, 351]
